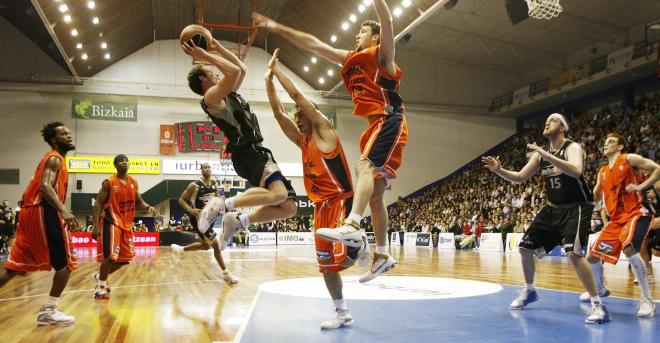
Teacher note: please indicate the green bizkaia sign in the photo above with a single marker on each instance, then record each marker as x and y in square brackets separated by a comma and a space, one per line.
[104, 107]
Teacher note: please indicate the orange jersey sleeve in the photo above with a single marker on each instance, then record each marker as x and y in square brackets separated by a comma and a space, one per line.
[32, 195]
[619, 203]
[373, 90]
[119, 208]
[326, 176]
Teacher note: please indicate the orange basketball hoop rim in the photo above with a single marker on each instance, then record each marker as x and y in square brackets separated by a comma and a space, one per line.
[245, 35]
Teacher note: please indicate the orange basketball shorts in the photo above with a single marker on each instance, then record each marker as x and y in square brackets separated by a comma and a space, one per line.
[331, 256]
[382, 144]
[115, 243]
[616, 235]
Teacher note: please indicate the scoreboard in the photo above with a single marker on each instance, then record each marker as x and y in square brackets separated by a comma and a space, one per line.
[199, 136]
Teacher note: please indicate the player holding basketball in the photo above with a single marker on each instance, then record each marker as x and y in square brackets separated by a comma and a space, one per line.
[252, 161]
[327, 182]
[113, 214]
[372, 78]
[622, 188]
[565, 219]
[193, 199]
[42, 242]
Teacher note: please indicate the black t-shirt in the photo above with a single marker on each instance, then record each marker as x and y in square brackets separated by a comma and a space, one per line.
[204, 193]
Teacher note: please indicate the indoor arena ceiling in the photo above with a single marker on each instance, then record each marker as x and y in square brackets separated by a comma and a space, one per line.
[472, 32]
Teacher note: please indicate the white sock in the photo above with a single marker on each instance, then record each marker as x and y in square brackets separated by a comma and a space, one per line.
[102, 283]
[597, 269]
[381, 249]
[52, 300]
[639, 269]
[245, 220]
[340, 304]
[355, 217]
[529, 286]
[595, 300]
[229, 204]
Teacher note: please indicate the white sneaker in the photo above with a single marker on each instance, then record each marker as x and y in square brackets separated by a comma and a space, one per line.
[348, 233]
[585, 297]
[525, 298]
[49, 315]
[381, 264]
[646, 308]
[230, 224]
[598, 315]
[230, 278]
[176, 248]
[96, 278]
[363, 254]
[211, 211]
[339, 318]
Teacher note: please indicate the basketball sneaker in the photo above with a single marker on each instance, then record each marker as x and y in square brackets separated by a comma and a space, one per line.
[49, 315]
[339, 318]
[211, 211]
[598, 315]
[176, 248]
[585, 297]
[349, 232]
[95, 277]
[230, 278]
[381, 264]
[646, 308]
[525, 298]
[230, 224]
[101, 292]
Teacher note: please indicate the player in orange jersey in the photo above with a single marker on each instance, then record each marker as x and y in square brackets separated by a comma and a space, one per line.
[372, 78]
[42, 242]
[327, 182]
[621, 187]
[113, 215]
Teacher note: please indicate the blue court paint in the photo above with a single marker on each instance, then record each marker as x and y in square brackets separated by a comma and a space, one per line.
[557, 317]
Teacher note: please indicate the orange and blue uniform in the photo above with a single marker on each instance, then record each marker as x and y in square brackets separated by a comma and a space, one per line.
[630, 212]
[42, 241]
[116, 221]
[375, 94]
[328, 184]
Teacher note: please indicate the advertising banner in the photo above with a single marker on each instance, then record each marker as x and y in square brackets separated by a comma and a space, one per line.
[104, 165]
[140, 239]
[104, 107]
[262, 238]
[394, 240]
[491, 242]
[295, 238]
[446, 241]
[410, 239]
[167, 139]
[512, 242]
[423, 239]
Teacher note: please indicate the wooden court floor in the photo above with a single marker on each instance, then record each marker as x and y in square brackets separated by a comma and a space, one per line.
[162, 298]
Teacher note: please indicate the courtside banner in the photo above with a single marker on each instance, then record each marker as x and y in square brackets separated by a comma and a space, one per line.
[446, 241]
[262, 238]
[140, 239]
[104, 165]
[295, 238]
[219, 167]
[491, 242]
[423, 239]
[410, 239]
[512, 242]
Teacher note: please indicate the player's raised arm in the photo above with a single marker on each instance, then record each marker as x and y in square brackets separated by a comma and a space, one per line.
[494, 165]
[386, 50]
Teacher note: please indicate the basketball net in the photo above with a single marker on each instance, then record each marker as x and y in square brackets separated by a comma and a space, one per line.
[543, 9]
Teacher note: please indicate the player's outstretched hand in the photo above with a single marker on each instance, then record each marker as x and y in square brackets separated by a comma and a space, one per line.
[263, 22]
[492, 163]
[194, 51]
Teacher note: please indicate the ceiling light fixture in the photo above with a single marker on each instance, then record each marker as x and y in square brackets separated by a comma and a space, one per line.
[352, 18]
[330, 72]
[333, 38]
[74, 32]
[67, 18]
[79, 46]
[84, 56]
[361, 8]
[63, 8]
[397, 11]
[366, 2]
[107, 56]
[95, 20]
[345, 26]
[314, 60]
[306, 68]
[91, 5]
[321, 80]
[104, 45]
[406, 3]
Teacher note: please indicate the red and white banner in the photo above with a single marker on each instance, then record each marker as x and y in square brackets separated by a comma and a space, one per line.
[140, 239]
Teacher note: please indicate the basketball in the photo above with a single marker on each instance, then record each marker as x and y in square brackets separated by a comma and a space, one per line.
[198, 34]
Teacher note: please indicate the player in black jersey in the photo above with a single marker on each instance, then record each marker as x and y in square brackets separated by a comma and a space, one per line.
[193, 199]
[565, 219]
[252, 161]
